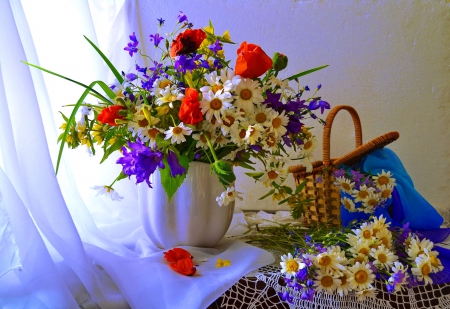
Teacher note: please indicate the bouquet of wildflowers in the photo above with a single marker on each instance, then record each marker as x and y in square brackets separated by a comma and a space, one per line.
[188, 105]
[362, 192]
[339, 263]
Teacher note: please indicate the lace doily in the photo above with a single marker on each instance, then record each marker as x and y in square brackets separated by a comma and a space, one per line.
[259, 289]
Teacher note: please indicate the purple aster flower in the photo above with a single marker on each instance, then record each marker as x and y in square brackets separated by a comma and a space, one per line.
[398, 277]
[215, 47]
[185, 63]
[294, 125]
[302, 274]
[142, 70]
[273, 100]
[287, 140]
[316, 104]
[339, 173]
[205, 64]
[130, 77]
[286, 297]
[182, 17]
[310, 282]
[147, 85]
[161, 22]
[156, 39]
[256, 148]
[308, 294]
[356, 176]
[174, 164]
[218, 64]
[132, 46]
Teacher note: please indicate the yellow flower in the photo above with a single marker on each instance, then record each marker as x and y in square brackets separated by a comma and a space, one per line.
[222, 263]
[226, 35]
[162, 110]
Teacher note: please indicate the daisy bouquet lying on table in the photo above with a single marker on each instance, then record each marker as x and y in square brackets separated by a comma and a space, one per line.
[185, 103]
[351, 260]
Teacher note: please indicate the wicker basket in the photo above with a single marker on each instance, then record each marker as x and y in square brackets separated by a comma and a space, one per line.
[326, 200]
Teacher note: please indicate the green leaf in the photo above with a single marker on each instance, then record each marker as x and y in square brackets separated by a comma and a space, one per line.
[64, 117]
[100, 83]
[284, 201]
[287, 189]
[114, 147]
[267, 194]
[224, 172]
[255, 175]
[169, 183]
[306, 72]
[300, 187]
[161, 142]
[110, 65]
[247, 166]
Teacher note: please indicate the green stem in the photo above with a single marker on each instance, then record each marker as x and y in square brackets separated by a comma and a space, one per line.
[210, 147]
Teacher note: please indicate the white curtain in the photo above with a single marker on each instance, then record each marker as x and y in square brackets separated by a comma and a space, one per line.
[60, 247]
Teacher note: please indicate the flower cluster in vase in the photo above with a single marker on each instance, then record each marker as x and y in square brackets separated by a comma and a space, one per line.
[371, 251]
[362, 192]
[187, 104]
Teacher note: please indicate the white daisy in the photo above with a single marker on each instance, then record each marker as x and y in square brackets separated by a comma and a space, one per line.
[362, 246]
[279, 123]
[221, 141]
[379, 223]
[364, 232]
[176, 134]
[282, 84]
[383, 257]
[201, 139]
[344, 287]
[215, 104]
[372, 201]
[330, 261]
[362, 193]
[253, 134]
[400, 272]
[170, 95]
[150, 135]
[344, 184]
[368, 292]
[159, 85]
[231, 118]
[423, 269]
[247, 94]
[326, 281]
[228, 196]
[290, 265]
[417, 247]
[348, 204]
[273, 174]
[385, 237]
[238, 133]
[262, 115]
[308, 147]
[384, 178]
[360, 258]
[386, 191]
[361, 276]
[108, 191]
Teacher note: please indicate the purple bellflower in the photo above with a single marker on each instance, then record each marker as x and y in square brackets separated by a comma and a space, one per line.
[215, 47]
[161, 22]
[174, 164]
[156, 39]
[132, 46]
[182, 17]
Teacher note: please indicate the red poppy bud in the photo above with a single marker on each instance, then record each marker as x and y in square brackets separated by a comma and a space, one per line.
[251, 61]
[187, 42]
[110, 114]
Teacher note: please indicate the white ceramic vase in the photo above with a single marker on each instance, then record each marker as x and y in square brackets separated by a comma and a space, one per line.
[192, 217]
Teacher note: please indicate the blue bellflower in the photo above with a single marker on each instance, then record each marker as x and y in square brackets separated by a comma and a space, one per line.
[156, 39]
[182, 17]
[161, 22]
[174, 164]
[215, 47]
[316, 104]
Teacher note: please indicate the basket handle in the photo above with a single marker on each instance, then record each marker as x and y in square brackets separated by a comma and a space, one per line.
[327, 130]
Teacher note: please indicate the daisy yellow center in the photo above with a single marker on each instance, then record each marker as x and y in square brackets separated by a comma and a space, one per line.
[276, 123]
[245, 94]
[347, 205]
[426, 270]
[242, 134]
[228, 121]
[272, 175]
[374, 246]
[375, 231]
[364, 251]
[385, 242]
[164, 84]
[382, 258]
[143, 123]
[216, 104]
[177, 130]
[361, 276]
[360, 259]
[383, 180]
[252, 131]
[230, 193]
[343, 280]
[362, 194]
[213, 120]
[307, 145]
[434, 261]
[326, 281]
[216, 88]
[153, 132]
[271, 141]
[260, 117]
[386, 193]
[292, 265]
[324, 261]
[372, 202]
[203, 138]
[345, 186]
[367, 234]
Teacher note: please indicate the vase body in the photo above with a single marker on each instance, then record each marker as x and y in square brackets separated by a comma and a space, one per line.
[192, 217]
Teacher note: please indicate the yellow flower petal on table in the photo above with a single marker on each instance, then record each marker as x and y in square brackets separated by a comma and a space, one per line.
[222, 263]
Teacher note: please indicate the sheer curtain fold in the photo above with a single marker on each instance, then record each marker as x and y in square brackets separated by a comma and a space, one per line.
[75, 248]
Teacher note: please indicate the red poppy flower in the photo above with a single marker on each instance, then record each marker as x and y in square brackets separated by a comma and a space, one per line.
[251, 61]
[187, 42]
[176, 254]
[184, 266]
[110, 114]
[190, 112]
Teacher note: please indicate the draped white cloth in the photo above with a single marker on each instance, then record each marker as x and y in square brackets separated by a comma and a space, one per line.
[59, 246]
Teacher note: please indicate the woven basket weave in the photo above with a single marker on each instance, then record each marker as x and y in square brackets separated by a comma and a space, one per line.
[326, 199]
